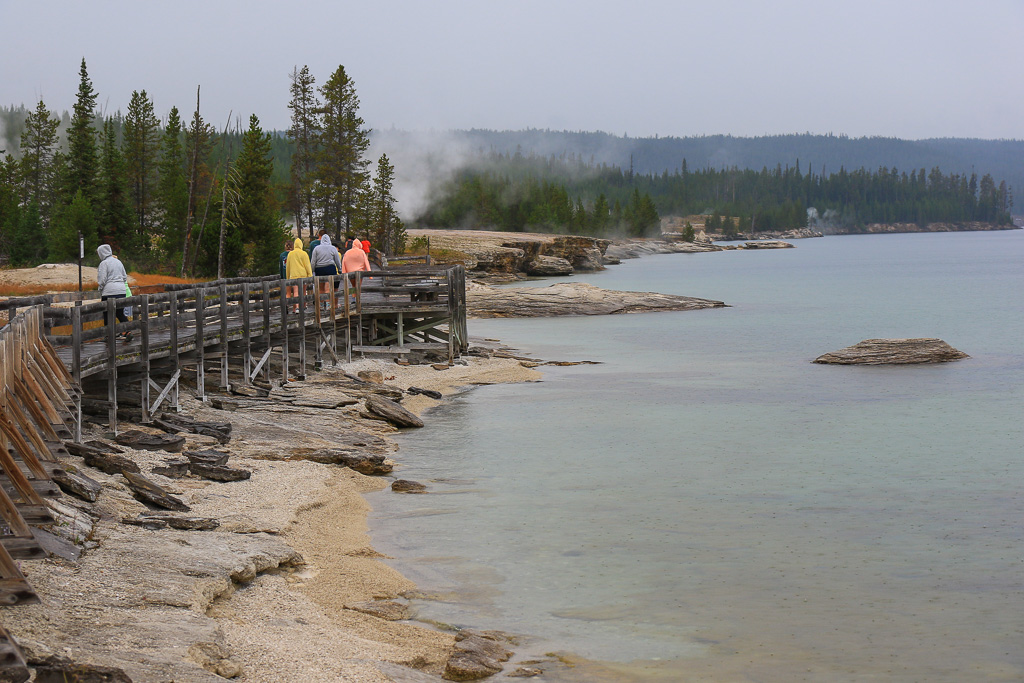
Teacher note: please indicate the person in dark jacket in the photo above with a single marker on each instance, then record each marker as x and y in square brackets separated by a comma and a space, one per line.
[284, 258]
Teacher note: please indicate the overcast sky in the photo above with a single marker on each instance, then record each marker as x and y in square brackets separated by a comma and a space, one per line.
[900, 68]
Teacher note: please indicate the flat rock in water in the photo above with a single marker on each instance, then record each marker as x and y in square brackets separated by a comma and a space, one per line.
[893, 352]
[407, 486]
[369, 464]
[392, 412]
[477, 655]
[572, 298]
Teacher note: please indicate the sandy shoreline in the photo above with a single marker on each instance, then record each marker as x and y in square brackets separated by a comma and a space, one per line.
[264, 597]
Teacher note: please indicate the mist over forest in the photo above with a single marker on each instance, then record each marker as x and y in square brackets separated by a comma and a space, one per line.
[818, 154]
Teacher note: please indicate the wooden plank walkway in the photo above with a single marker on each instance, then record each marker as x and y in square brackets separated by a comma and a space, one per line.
[52, 343]
[191, 325]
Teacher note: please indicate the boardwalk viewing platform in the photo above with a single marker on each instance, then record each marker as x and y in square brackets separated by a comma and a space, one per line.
[56, 354]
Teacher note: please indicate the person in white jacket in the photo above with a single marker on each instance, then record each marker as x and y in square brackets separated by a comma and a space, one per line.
[112, 283]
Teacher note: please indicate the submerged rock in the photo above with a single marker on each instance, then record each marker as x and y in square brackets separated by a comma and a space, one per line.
[893, 352]
[477, 654]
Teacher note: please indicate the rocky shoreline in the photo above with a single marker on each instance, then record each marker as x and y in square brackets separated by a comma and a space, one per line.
[247, 557]
[279, 581]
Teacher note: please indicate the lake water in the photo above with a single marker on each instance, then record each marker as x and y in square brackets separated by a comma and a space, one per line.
[707, 504]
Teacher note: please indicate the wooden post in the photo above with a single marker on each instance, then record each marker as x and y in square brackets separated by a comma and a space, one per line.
[359, 309]
[111, 366]
[172, 312]
[334, 316]
[200, 342]
[266, 327]
[224, 384]
[284, 333]
[348, 322]
[449, 276]
[76, 365]
[144, 314]
[318, 358]
[246, 335]
[302, 328]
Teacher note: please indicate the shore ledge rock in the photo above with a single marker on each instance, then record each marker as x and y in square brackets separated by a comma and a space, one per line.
[893, 352]
[572, 298]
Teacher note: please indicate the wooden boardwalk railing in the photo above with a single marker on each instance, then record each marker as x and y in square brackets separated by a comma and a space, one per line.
[189, 326]
[52, 343]
[36, 396]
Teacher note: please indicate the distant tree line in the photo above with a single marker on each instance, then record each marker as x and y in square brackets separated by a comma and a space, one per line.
[510, 191]
[178, 196]
[826, 154]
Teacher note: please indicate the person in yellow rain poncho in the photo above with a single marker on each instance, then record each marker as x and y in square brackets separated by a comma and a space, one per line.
[297, 266]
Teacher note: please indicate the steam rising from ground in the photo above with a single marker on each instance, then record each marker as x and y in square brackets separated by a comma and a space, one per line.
[423, 161]
[827, 223]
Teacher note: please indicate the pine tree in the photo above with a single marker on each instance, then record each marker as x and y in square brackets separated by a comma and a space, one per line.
[305, 133]
[258, 220]
[199, 140]
[70, 221]
[113, 211]
[172, 189]
[388, 229]
[83, 162]
[38, 156]
[141, 142]
[341, 163]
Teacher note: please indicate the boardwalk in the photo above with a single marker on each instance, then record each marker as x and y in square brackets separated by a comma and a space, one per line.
[221, 332]
[202, 328]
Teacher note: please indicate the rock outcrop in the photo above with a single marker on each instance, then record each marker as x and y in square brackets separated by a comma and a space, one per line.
[571, 298]
[893, 352]
[520, 253]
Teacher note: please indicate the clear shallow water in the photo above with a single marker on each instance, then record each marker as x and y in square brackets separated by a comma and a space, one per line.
[709, 505]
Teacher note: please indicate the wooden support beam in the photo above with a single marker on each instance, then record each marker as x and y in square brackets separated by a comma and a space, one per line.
[112, 365]
[200, 342]
[223, 311]
[246, 335]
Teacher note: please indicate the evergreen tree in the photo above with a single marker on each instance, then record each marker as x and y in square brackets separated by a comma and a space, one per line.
[141, 142]
[305, 133]
[70, 221]
[28, 244]
[199, 141]
[259, 224]
[601, 214]
[115, 219]
[172, 189]
[38, 158]
[10, 205]
[388, 230]
[82, 157]
[341, 163]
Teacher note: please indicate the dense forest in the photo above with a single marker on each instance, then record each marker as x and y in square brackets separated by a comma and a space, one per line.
[178, 196]
[822, 154]
[565, 194]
